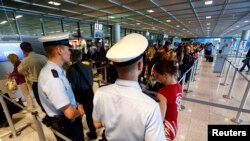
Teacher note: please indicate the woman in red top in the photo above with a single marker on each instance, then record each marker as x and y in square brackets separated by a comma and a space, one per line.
[169, 95]
[20, 80]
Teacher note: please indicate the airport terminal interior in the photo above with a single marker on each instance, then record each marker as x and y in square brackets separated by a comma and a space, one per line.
[212, 35]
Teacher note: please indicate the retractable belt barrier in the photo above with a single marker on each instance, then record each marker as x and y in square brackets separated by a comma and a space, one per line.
[35, 117]
[229, 95]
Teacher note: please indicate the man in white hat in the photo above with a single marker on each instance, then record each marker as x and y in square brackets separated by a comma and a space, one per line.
[126, 113]
[55, 93]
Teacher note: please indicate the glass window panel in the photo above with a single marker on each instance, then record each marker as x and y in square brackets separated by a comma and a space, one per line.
[85, 30]
[70, 27]
[52, 25]
[29, 25]
[122, 32]
[107, 35]
[107, 31]
[7, 24]
[127, 31]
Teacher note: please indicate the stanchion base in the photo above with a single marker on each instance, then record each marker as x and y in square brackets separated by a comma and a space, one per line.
[17, 134]
[223, 84]
[219, 76]
[194, 80]
[235, 121]
[227, 97]
[182, 108]
[187, 91]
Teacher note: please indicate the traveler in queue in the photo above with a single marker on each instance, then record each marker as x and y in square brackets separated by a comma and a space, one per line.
[55, 92]
[126, 113]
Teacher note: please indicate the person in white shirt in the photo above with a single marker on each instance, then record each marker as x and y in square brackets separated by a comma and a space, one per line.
[55, 92]
[126, 113]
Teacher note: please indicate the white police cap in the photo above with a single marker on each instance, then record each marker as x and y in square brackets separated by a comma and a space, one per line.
[55, 39]
[128, 50]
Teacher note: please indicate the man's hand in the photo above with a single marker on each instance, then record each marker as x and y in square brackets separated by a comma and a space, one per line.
[80, 109]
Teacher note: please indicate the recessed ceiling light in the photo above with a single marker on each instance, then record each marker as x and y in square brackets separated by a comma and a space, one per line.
[138, 23]
[168, 21]
[237, 26]
[208, 17]
[208, 2]
[246, 21]
[178, 26]
[111, 17]
[3, 22]
[54, 3]
[19, 16]
[183, 29]
[150, 11]
[208, 23]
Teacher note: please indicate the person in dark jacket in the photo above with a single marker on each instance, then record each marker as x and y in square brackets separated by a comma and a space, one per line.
[246, 62]
[80, 77]
[188, 62]
[99, 56]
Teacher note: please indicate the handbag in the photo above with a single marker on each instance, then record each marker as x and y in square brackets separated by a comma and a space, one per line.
[11, 84]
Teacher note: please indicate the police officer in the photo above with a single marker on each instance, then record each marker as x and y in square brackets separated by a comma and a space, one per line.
[54, 89]
[121, 108]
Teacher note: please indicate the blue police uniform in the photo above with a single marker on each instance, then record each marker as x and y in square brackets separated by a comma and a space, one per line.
[54, 89]
[55, 93]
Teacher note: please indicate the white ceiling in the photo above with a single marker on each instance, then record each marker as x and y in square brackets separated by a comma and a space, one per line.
[188, 17]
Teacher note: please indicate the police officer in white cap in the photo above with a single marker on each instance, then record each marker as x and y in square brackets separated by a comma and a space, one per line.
[56, 95]
[122, 109]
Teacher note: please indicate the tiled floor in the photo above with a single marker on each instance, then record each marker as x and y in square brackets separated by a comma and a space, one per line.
[193, 121]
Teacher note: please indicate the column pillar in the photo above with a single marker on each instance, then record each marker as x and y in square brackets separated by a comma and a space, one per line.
[116, 33]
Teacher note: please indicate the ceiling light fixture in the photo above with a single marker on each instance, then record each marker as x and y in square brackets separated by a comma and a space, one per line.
[150, 11]
[54, 3]
[138, 23]
[19, 16]
[208, 23]
[237, 26]
[3, 22]
[246, 21]
[209, 2]
[178, 26]
[208, 17]
[168, 21]
[111, 17]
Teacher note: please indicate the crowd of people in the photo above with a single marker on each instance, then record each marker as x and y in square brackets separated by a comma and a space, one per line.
[65, 94]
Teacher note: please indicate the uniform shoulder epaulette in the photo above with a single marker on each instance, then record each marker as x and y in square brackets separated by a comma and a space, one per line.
[55, 73]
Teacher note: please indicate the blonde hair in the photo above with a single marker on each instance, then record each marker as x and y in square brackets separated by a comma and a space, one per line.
[12, 57]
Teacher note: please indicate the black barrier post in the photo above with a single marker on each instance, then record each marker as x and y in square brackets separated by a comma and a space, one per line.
[243, 102]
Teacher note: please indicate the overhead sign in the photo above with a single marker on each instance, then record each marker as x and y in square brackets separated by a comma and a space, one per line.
[98, 32]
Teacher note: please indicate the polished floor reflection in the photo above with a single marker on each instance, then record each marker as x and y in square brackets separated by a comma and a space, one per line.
[201, 108]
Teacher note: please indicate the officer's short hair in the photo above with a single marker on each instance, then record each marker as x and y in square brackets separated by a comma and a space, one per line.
[50, 49]
[76, 55]
[26, 46]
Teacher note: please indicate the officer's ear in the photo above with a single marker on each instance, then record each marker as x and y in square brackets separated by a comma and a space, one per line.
[140, 65]
[59, 49]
